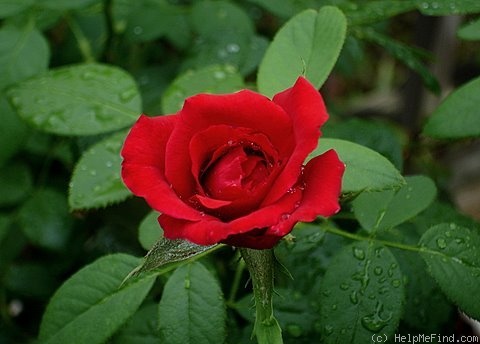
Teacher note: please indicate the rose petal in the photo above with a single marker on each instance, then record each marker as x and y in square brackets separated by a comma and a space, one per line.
[210, 230]
[143, 166]
[244, 109]
[304, 104]
[323, 184]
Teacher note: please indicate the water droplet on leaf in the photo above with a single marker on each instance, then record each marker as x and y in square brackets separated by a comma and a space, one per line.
[358, 253]
[441, 243]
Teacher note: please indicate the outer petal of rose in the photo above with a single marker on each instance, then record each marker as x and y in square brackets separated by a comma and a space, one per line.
[211, 230]
[323, 184]
[242, 109]
[143, 166]
[305, 106]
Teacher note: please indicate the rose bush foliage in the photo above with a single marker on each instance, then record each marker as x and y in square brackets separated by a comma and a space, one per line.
[230, 168]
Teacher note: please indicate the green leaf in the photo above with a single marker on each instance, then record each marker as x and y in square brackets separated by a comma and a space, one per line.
[281, 8]
[365, 169]
[33, 280]
[45, 219]
[13, 131]
[444, 7]
[452, 254]
[376, 135]
[149, 231]
[96, 179]
[308, 44]
[15, 184]
[362, 294]
[470, 31]
[78, 100]
[166, 251]
[23, 53]
[141, 328]
[192, 309]
[386, 209]
[406, 54]
[458, 115]
[375, 11]
[426, 307]
[11, 7]
[90, 306]
[212, 79]
[148, 20]
[65, 4]
[224, 38]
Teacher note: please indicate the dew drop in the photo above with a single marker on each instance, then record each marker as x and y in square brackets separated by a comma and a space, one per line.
[128, 95]
[441, 243]
[109, 164]
[358, 253]
[396, 283]
[294, 330]
[93, 172]
[233, 48]
[285, 217]
[222, 53]
[378, 270]
[138, 30]
[375, 322]
[328, 329]
[344, 286]
[334, 307]
[354, 297]
[88, 75]
[219, 75]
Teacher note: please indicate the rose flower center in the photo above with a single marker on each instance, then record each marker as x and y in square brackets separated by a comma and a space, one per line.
[240, 170]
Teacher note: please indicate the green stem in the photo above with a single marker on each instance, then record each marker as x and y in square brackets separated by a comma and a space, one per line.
[260, 264]
[83, 43]
[398, 245]
[236, 281]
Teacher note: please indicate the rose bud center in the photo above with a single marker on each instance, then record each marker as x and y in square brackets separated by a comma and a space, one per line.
[240, 170]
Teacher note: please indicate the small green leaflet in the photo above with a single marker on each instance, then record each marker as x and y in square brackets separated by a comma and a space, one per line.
[365, 168]
[386, 209]
[166, 251]
[361, 294]
[23, 53]
[211, 79]
[308, 44]
[452, 254]
[96, 179]
[470, 31]
[141, 328]
[458, 115]
[149, 231]
[447, 7]
[83, 99]
[90, 306]
[192, 308]
[45, 220]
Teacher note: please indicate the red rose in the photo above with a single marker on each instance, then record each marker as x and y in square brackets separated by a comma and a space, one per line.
[229, 168]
